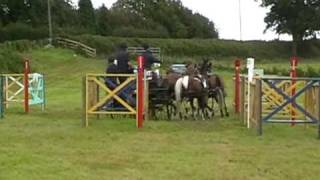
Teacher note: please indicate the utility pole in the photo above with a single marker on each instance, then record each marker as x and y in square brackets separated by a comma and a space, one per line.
[50, 23]
[240, 20]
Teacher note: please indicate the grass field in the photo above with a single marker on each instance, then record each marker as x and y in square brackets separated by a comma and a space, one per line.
[53, 145]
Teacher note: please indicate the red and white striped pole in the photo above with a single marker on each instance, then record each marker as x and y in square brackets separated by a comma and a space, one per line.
[237, 64]
[293, 75]
[140, 96]
[26, 85]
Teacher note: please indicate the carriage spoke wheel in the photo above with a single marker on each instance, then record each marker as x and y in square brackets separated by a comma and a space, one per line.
[210, 111]
[170, 110]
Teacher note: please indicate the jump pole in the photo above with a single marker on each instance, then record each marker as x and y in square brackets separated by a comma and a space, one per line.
[139, 117]
[293, 74]
[237, 64]
[26, 85]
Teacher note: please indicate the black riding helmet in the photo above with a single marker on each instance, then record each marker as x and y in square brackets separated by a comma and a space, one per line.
[145, 46]
[123, 46]
[111, 59]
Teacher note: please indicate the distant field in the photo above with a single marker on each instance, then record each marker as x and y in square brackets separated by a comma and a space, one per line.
[53, 145]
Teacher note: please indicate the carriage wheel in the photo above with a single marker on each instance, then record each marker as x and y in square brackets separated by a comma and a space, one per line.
[211, 102]
[171, 110]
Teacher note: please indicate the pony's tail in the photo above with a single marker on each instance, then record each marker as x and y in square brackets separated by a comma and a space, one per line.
[220, 83]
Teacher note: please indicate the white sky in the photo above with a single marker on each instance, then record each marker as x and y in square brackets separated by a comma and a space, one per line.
[225, 15]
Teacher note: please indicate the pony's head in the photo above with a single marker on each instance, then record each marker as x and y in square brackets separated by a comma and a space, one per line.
[205, 67]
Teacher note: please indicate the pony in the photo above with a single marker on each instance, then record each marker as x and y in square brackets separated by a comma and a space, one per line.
[191, 87]
[216, 87]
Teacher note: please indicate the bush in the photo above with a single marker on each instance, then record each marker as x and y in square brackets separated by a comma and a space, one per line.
[20, 31]
[10, 61]
[134, 32]
[20, 45]
[193, 47]
[311, 72]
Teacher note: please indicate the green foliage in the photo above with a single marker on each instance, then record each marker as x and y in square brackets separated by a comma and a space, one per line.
[103, 21]
[297, 18]
[22, 31]
[86, 15]
[10, 61]
[130, 31]
[312, 72]
[127, 18]
[179, 21]
[10, 58]
[193, 47]
[21, 45]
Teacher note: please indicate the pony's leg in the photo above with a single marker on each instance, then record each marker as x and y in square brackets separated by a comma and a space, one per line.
[178, 110]
[210, 108]
[202, 107]
[224, 103]
[222, 85]
[193, 108]
[219, 100]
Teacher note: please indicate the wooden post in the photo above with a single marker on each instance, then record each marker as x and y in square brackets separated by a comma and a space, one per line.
[97, 97]
[43, 106]
[259, 106]
[6, 92]
[293, 74]
[26, 85]
[1, 97]
[84, 102]
[140, 96]
[237, 87]
[317, 95]
[146, 99]
[243, 99]
[251, 108]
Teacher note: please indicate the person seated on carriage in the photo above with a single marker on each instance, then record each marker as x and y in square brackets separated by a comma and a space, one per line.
[149, 61]
[119, 64]
[111, 82]
[123, 63]
[193, 73]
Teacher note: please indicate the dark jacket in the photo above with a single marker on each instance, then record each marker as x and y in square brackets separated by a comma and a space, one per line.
[122, 58]
[111, 82]
[149, 59]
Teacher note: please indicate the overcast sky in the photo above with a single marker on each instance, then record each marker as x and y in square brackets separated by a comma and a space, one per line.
[225, 15]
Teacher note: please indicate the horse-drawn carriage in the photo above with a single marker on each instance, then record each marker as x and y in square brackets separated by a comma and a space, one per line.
[164, 100]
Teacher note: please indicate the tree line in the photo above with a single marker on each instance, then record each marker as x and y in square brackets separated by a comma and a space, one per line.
[126, 18]
[298, 18]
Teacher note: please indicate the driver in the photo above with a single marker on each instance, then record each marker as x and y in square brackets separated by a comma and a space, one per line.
[149, 59]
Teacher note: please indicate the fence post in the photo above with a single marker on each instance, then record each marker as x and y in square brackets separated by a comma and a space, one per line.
[317, 110]
[293, 74]
[259, 106]
[26, 85]
[1, 97]
[84, 102]
[242, 99]
[237, 86]
[140, 97]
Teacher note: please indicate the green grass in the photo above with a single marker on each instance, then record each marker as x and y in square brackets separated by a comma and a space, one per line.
[52, 144]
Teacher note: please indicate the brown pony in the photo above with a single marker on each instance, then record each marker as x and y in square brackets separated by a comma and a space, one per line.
[216, 87]
[190, 87]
